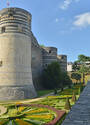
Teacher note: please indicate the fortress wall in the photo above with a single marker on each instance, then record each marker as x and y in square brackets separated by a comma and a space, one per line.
[36, 64]
[49, 55]
[62, 59]
[15, 55]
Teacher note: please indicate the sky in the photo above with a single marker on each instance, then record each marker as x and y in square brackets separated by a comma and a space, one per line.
[64, 24]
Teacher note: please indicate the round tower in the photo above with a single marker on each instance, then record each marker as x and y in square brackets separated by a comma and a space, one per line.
[49, 55]
[15, 55]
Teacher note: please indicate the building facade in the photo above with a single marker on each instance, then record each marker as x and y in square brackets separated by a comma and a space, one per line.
[69, 66]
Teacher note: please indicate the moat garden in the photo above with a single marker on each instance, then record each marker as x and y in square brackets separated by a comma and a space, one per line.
[49, 110]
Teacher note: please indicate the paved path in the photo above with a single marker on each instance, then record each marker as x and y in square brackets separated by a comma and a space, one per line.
[40, 98]
[80, 112]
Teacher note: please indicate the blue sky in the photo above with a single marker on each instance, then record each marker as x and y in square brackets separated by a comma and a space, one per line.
[64, 24]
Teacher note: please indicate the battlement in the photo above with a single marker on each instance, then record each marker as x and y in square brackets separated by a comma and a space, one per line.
[15, 20]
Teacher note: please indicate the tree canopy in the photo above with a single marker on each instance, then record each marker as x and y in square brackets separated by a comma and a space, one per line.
[83, 58]
[76, 76]
[53, 77]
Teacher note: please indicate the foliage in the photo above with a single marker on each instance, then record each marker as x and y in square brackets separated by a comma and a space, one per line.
[74, 97]
[38, 116]
[84, 69]
[52, 76]
[66, 81]
[80, 65]
[79, 91]
[76, 76]
[75, 66]
[82, 58]
[27, 116]
[55, 91]
[43, 92]
[67, 104]
[42, 45]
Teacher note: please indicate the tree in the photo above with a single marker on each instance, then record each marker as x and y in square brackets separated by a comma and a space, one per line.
[82, 58]
[66, 81]
[76, 76]
[42, 45]
[80, 65]
[76, 67]
[84, 70]
[52, 76]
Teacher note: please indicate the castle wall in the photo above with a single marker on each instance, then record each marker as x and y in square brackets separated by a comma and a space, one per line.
[62, 59]
[21, 57]
[49, 55]
[36, 63]
[15, 55]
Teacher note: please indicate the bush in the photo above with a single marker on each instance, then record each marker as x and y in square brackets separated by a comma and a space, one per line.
[79, 91]
[67, 104]
[74, 97]
[55, 91]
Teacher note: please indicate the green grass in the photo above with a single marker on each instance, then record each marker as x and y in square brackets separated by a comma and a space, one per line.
[44, 92]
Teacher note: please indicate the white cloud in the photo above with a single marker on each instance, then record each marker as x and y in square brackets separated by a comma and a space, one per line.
[66, 4]
[56, 20]
[82, 20]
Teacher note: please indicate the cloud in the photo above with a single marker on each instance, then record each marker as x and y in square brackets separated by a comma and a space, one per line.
[56, 20]
[67, 3]
[82, 20]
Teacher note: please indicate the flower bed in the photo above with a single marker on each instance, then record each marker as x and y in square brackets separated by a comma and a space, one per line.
[30, 114]
[59, 114]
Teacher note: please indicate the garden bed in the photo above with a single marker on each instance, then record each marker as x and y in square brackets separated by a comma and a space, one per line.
[59, 113]
[30, 114]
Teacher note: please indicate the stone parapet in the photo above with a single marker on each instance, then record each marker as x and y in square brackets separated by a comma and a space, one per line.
[15, 20]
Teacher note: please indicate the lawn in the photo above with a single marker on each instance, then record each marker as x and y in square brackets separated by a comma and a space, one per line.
[44, 92]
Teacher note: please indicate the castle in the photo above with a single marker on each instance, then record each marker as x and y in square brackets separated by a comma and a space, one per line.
[41, 57]
[22, 59]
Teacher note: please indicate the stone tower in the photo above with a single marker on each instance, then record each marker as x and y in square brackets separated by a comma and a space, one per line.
[15, 55]
[49, 55]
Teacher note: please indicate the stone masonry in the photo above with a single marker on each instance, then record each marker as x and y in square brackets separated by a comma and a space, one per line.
[80, 112]
[15, 55]
[22, 59]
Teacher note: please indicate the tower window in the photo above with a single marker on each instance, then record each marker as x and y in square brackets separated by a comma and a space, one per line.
[1, 63]
[50, 51]
[3, 30]
[20, 28]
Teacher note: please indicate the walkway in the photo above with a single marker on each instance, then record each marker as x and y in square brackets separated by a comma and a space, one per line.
[80, 112]
[40, 98]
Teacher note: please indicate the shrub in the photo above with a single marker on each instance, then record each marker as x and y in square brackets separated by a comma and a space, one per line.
[74, 97]
[67, 104]
[79, 91]
[55, 91]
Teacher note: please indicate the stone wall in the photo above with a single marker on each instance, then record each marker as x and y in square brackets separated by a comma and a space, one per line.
[15, 55]
[22, 59]
[37, 64]
[62, 59]
[49, 55]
